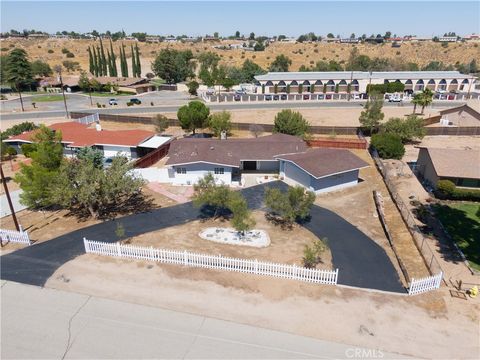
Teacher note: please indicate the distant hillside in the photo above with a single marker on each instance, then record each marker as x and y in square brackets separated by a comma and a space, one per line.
[300, 53]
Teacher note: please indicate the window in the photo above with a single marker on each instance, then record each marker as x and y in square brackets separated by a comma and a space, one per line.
[181, 170]
[218, 171]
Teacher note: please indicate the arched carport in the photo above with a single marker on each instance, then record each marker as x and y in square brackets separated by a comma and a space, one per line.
[464, 85]
[442, 85]
[408, 85]
[431, 84]
[420, 85]
[330, 86]
[318, 86]
[293, 86]
[355, 86]
[453, 85]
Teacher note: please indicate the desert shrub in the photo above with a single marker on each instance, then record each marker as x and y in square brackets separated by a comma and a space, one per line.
[65, 51]
[70, 55]
[50, 51]
[291, 123]
[129, 103]
[447, 190]
[389, 146]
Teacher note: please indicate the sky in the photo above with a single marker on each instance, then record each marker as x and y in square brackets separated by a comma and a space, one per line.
[291, 18]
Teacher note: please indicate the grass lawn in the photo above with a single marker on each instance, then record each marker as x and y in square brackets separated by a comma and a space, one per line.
[462, 221]
[46, 98]
[110, 95]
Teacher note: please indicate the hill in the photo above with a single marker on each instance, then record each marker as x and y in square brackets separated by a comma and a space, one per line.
[300, 53]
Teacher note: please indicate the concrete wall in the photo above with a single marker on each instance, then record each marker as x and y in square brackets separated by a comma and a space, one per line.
[425, 167]
[334, 182]
[198, 171]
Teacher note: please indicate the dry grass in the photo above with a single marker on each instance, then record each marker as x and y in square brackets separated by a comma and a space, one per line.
[300, 54]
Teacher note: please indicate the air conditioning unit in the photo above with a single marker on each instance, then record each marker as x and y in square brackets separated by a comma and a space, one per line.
[445, 122]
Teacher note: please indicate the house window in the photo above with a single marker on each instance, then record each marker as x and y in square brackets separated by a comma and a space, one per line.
[181, 170]
[218, 171]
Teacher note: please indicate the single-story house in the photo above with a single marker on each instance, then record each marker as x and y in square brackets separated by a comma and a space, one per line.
[127, 84]
[459, 116]
[461, 166]
[53, 84]
[130, 143]
[319, 170]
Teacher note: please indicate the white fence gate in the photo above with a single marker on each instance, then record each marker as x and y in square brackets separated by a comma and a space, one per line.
[212, 262]
[14, 236]
[425, 284]
[89, 119]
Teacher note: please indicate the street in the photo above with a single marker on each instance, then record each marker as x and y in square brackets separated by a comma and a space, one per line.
[46, 323]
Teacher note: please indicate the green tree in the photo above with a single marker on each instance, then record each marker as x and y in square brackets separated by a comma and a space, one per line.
[242, 220]
[41, 68]
[193, 87]
[92, 155]
[252, 36]
[137, 61]
[280, 64]
[250, 70]
[409, 129]
[389, 146]
[372, 114]
[36, 180]
[219, 122]
[426, 98]
[160, 122]
[91, 63]
[227, 83]
[96, 65]
[173, 66]
[134, 65]
[193, 116]
[84, 82]
[18, 71]
[291, 123]
[208, 193]
[292, 205]
[103, 59]
[113, 61]
[208, 65]
[87, 190]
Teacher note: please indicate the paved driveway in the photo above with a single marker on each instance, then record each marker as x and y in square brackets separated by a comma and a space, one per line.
[361, 262]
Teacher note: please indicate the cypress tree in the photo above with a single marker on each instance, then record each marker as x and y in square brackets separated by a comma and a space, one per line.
[122, 68]
[95, 62]
[104, 59]
[114, 60]
[125, 64]
[139, 66]
[90, 61]
[134, 66]
[109, 63]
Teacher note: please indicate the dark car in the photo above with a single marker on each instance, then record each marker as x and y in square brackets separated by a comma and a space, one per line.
[283, 97]
[408, 91]
[328, 96]
[135, 101]
[268, 97]
[306, 97]
[237, 97]
[320, 96]
[276, 97]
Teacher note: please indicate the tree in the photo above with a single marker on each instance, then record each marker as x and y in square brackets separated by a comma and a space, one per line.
[87, 190]
[426, 98]
[18, 71]
[96, 67]
[256, 130]
[408, 129]
[91, 63]
[280, 64]
[40, 68]
[252, 36]
[193, 116]
[208, 193]
[291, 123]
[241, 220]
[134, 65]
[103, 59]
[292, 205]
[208, 66]
[417, 100]
[160, 122]
[330, 36]
[173, 66]
[113, 60]
[372, 114]
[71, 65]
[84, 82]
[227, 83]
[36, 180]
[193, 87]
[389, 146]
[137, 61]
[220, 122]
[237, 34]
[92, 155]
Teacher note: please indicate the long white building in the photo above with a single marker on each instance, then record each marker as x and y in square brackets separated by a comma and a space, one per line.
[338, 81]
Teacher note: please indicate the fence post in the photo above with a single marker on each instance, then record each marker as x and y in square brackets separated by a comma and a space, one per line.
[119, 250]
[85, 244]
[256, 266]
[336, 276]
[185, 258]
[28, 237]
[152, 253]
[410, 288]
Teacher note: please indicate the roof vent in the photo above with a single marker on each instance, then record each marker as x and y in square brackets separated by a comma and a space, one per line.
[212, 147]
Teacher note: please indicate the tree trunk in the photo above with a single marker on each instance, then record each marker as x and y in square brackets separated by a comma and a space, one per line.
[21, 100]
[414, 109]
[92, 212]
[423, 108]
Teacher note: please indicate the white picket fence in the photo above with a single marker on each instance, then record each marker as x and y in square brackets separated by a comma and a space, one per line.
[212, 262]
[14, 236]
[426, 284]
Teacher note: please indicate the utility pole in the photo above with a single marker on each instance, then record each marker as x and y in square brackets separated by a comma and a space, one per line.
[350, 86]
[7, 193]
[58, 69]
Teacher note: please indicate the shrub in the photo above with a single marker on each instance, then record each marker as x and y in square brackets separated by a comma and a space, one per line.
[447, 190]
[389, 146]
[27, 149]
[129, 103]
[291, 123]
[309, 257]
[70, 55]
[65, 51]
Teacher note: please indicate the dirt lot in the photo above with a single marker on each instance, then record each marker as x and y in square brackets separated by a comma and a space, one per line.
[286, 245]
[432, 325]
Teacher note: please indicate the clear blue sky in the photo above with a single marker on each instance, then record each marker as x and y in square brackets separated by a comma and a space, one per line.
[423, 18]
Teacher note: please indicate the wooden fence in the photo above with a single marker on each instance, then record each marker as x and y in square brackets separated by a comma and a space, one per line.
[338, 143]
[426, 284]
[212, 262]
[152, 157]
[7, 236]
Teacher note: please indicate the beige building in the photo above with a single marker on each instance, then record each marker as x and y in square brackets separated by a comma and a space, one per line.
[460, 166]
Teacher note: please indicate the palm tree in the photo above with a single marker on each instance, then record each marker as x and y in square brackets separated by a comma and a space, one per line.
[18, 71]
[417, 100]
[426, 97]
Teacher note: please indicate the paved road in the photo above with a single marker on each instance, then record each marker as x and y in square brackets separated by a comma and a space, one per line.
[41, 323]
[5, 209]
[361, 262]
[173, 105]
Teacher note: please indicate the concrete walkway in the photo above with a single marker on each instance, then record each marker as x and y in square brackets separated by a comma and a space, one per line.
[5, 209]
[181, 199]
[361, 262]
[60, 324]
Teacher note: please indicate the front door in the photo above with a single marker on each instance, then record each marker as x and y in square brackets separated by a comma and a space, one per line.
[250, 165]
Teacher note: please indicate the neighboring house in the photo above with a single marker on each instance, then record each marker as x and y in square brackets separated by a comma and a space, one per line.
[130, 143]
[460, 116]
[461, 166]
[53, 84]
[319, 170]
[127, 84]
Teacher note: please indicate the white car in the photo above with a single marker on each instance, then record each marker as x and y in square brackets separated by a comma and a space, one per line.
[210, 91]
[113, 102]
[394, 98]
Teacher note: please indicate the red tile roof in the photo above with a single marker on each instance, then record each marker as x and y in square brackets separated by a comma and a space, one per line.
[79, 135]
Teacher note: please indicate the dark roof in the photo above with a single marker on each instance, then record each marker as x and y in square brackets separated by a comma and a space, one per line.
[232, 151]
[323, 162]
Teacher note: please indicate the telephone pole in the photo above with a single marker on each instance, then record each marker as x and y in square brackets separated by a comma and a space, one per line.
[7, 193]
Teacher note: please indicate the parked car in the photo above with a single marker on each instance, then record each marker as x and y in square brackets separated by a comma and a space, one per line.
[284, 97]
[321, 96]
[135, 101]
[276, 97]
[328, 96]
[113, 102]
[240, 92]
[210, 91]
[394, 98]
[356, 96]
[306, 97]
[107, 162]
[408, 92]
[268, 97]
[451, 97]
[237, 97]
